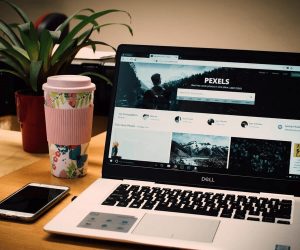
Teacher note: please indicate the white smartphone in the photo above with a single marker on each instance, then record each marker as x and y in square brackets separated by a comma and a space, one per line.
[30, 201]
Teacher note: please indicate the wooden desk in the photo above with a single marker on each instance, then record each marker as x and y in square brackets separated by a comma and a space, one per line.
[12, 155]
[16, 235]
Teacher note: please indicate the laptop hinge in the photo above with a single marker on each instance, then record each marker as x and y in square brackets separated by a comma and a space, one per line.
[286, 196]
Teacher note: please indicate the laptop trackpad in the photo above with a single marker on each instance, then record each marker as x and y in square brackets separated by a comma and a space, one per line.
[182, 228]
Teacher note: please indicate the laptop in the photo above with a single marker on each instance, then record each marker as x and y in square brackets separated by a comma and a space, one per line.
[202, 152]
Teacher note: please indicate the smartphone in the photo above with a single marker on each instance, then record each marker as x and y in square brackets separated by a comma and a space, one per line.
[32, 200]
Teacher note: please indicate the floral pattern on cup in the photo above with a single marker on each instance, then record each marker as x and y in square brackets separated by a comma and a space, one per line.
[68, 161]
[68, 100]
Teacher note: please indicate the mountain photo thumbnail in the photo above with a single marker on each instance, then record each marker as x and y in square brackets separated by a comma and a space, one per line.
[205, 151]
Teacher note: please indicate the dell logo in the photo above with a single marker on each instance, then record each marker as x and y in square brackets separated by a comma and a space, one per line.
[207, 179]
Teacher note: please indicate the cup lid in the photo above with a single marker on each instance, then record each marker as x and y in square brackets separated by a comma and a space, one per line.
[69, 84]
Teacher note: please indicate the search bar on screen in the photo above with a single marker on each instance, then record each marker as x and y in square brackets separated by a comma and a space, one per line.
[215, 96]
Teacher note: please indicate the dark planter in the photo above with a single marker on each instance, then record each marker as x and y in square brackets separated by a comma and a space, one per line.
[31, 116]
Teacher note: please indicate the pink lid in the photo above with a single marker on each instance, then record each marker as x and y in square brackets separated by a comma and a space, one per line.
[69, 84]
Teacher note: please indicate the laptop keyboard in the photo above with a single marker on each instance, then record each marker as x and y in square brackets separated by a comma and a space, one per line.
[202, 203]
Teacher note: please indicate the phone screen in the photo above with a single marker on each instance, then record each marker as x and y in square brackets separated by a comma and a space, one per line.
[30, 199]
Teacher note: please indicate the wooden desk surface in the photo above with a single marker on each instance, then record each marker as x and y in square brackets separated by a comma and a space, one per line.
[17, 235]
[12, 155]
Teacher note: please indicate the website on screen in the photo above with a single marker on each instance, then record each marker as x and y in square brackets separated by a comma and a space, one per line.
[224, 117]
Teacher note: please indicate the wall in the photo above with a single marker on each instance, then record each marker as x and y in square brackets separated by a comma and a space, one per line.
[253, 24]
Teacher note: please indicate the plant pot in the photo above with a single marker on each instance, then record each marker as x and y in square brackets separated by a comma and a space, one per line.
[31, 116]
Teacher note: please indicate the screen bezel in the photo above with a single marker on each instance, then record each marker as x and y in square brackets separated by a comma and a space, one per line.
[26, 216]
[210, 180]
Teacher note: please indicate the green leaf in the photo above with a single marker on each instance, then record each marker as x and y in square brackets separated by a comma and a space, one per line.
[68, 39]
[65, 59]
[85, 35]
[54, 95]
[21, 51]
[55, 35]
[20, 12]
[35, 68]
[7, 30]
[13, 64]
[13, 25]
[46, 48]
[86, 99]
[29, 29]
[82, 17]
[71, 170]
[91, 19]
[93, 43]
[4, 44]
[56, 104]
[13, 73]
[24, 27]
[108, 81]
[14, 54]
[62, 98]
[67, 21]
[30, 40]
[109, 24]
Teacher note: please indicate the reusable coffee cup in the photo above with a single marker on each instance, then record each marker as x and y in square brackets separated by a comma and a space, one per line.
[69, 117]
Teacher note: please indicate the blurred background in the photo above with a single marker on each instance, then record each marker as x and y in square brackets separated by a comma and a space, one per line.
[271, 25]
[239, 24]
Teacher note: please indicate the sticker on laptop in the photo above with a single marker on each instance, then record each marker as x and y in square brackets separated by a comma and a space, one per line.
[109, 222]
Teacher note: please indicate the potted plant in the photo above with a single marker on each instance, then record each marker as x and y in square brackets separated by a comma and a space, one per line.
[33, 57]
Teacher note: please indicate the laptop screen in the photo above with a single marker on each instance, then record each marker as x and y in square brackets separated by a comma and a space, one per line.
[183, 113]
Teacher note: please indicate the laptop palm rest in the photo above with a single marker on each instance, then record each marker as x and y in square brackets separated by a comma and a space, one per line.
[177, 227]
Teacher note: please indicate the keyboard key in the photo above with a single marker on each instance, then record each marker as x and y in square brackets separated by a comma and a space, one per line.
[213, 212]
[253, 218]
[201, 211]
[268, 219]
[135, 204]
[283, 222]
[202, 203]
[283, 216]
[122, 204]
[286, 202]
[226, 215]
[149, 205]
[108, 202]
[239, 216]
[161, 207]
[123, 186]
[252, 212]
[145, 189]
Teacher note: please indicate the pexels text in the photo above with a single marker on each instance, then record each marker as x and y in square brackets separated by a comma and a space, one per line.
[216, 80]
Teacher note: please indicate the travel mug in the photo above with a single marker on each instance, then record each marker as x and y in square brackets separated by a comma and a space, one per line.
[69, 117]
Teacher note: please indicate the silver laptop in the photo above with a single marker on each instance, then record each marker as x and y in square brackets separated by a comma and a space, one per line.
[202, 152]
